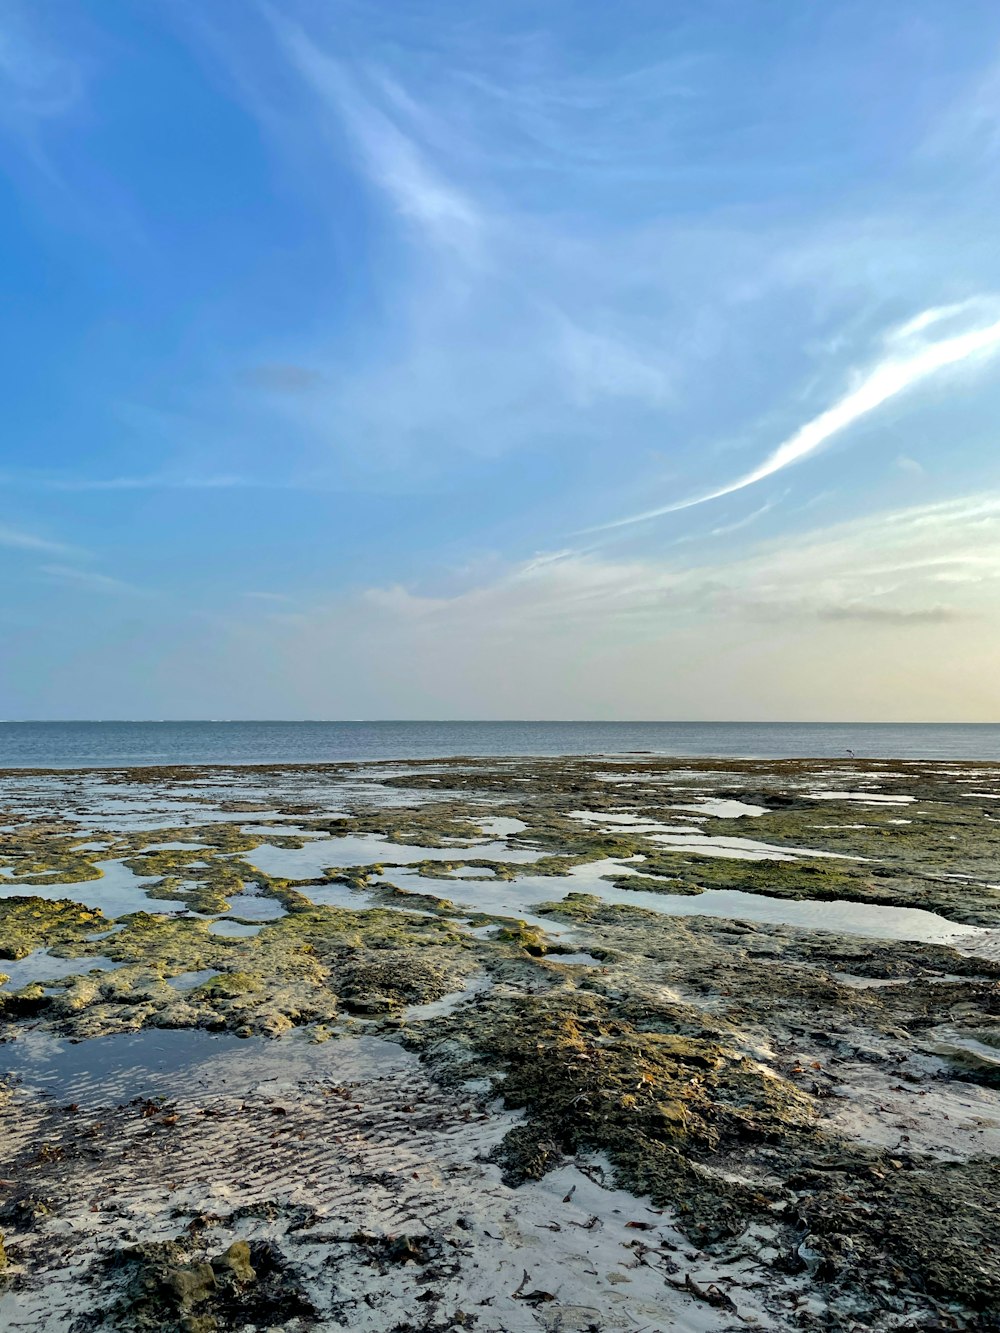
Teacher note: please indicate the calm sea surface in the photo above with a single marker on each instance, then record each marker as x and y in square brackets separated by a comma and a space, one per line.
[83, 744]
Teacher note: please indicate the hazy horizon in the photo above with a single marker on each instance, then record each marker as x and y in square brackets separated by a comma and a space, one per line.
[587, 363]
[499, 721]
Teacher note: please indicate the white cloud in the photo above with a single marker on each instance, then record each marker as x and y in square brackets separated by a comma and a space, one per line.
[393, 158]
[893, 375]
[886, 618]
[87, 579]
[28, 541]
[893, 567]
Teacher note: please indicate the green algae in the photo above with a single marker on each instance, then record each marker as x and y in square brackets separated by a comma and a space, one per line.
[45, 852]
[590, 1078]
[31, 923]
[177, 1286]
[310, 967]
[529, 938]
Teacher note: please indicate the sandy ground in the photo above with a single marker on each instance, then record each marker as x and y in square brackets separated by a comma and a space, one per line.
[332, 1170]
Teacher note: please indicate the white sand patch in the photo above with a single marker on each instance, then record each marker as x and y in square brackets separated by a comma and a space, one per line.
[952, 1121]
[868, 983]
[419, 1013]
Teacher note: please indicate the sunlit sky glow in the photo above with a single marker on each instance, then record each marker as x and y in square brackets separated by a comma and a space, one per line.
[503, 360]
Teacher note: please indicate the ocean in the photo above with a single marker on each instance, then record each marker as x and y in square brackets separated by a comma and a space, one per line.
[110, 744]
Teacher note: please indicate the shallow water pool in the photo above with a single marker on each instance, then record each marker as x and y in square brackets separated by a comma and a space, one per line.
[520, 898]
[41, 966]
[118, 892]
[187, 1062]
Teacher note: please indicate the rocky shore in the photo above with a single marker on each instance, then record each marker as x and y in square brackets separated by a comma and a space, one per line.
[579, 1044]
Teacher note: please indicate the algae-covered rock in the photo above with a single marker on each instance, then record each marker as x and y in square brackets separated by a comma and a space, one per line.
[305, 968]
[176, 1287]
[879, 1220]
[236, 1260]
[529, 938]
[589, 1079]
[31, 923]
[45, 852]
[189, 1284]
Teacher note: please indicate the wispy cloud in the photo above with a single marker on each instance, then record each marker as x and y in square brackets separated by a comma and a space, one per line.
[890, 615]
[395, 161]
[724, 529]
[87, 579]
[40, 87]
[907, 365]
[910, 466]
[19, 540]
[39, 82]
[887, 617]
[970, 127]
[505, 319]
[43, 481]
[892, 568]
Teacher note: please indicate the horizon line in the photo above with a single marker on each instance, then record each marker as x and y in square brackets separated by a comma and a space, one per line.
[481, 721]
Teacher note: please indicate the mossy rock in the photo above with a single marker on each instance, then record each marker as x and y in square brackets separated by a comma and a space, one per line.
[177, 1287]
[31, 923]
[590, 1080]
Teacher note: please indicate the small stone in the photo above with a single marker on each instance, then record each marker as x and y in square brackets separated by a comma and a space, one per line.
[199, 1323]
[236, 1260]
[191, 1284]
[406, 1249]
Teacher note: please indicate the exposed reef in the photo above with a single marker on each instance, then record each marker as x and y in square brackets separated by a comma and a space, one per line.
[522, 967]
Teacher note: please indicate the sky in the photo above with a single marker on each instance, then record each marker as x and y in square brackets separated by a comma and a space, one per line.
[505, 360]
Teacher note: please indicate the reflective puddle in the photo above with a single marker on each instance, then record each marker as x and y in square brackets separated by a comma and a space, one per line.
[41, 966]
[118, 891]
[518, 898]
[369, 849]
[181, 1063]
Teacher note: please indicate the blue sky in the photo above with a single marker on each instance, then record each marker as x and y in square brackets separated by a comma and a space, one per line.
[505, 360]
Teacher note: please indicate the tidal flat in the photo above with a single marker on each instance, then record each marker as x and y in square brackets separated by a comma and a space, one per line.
[585, 1043]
